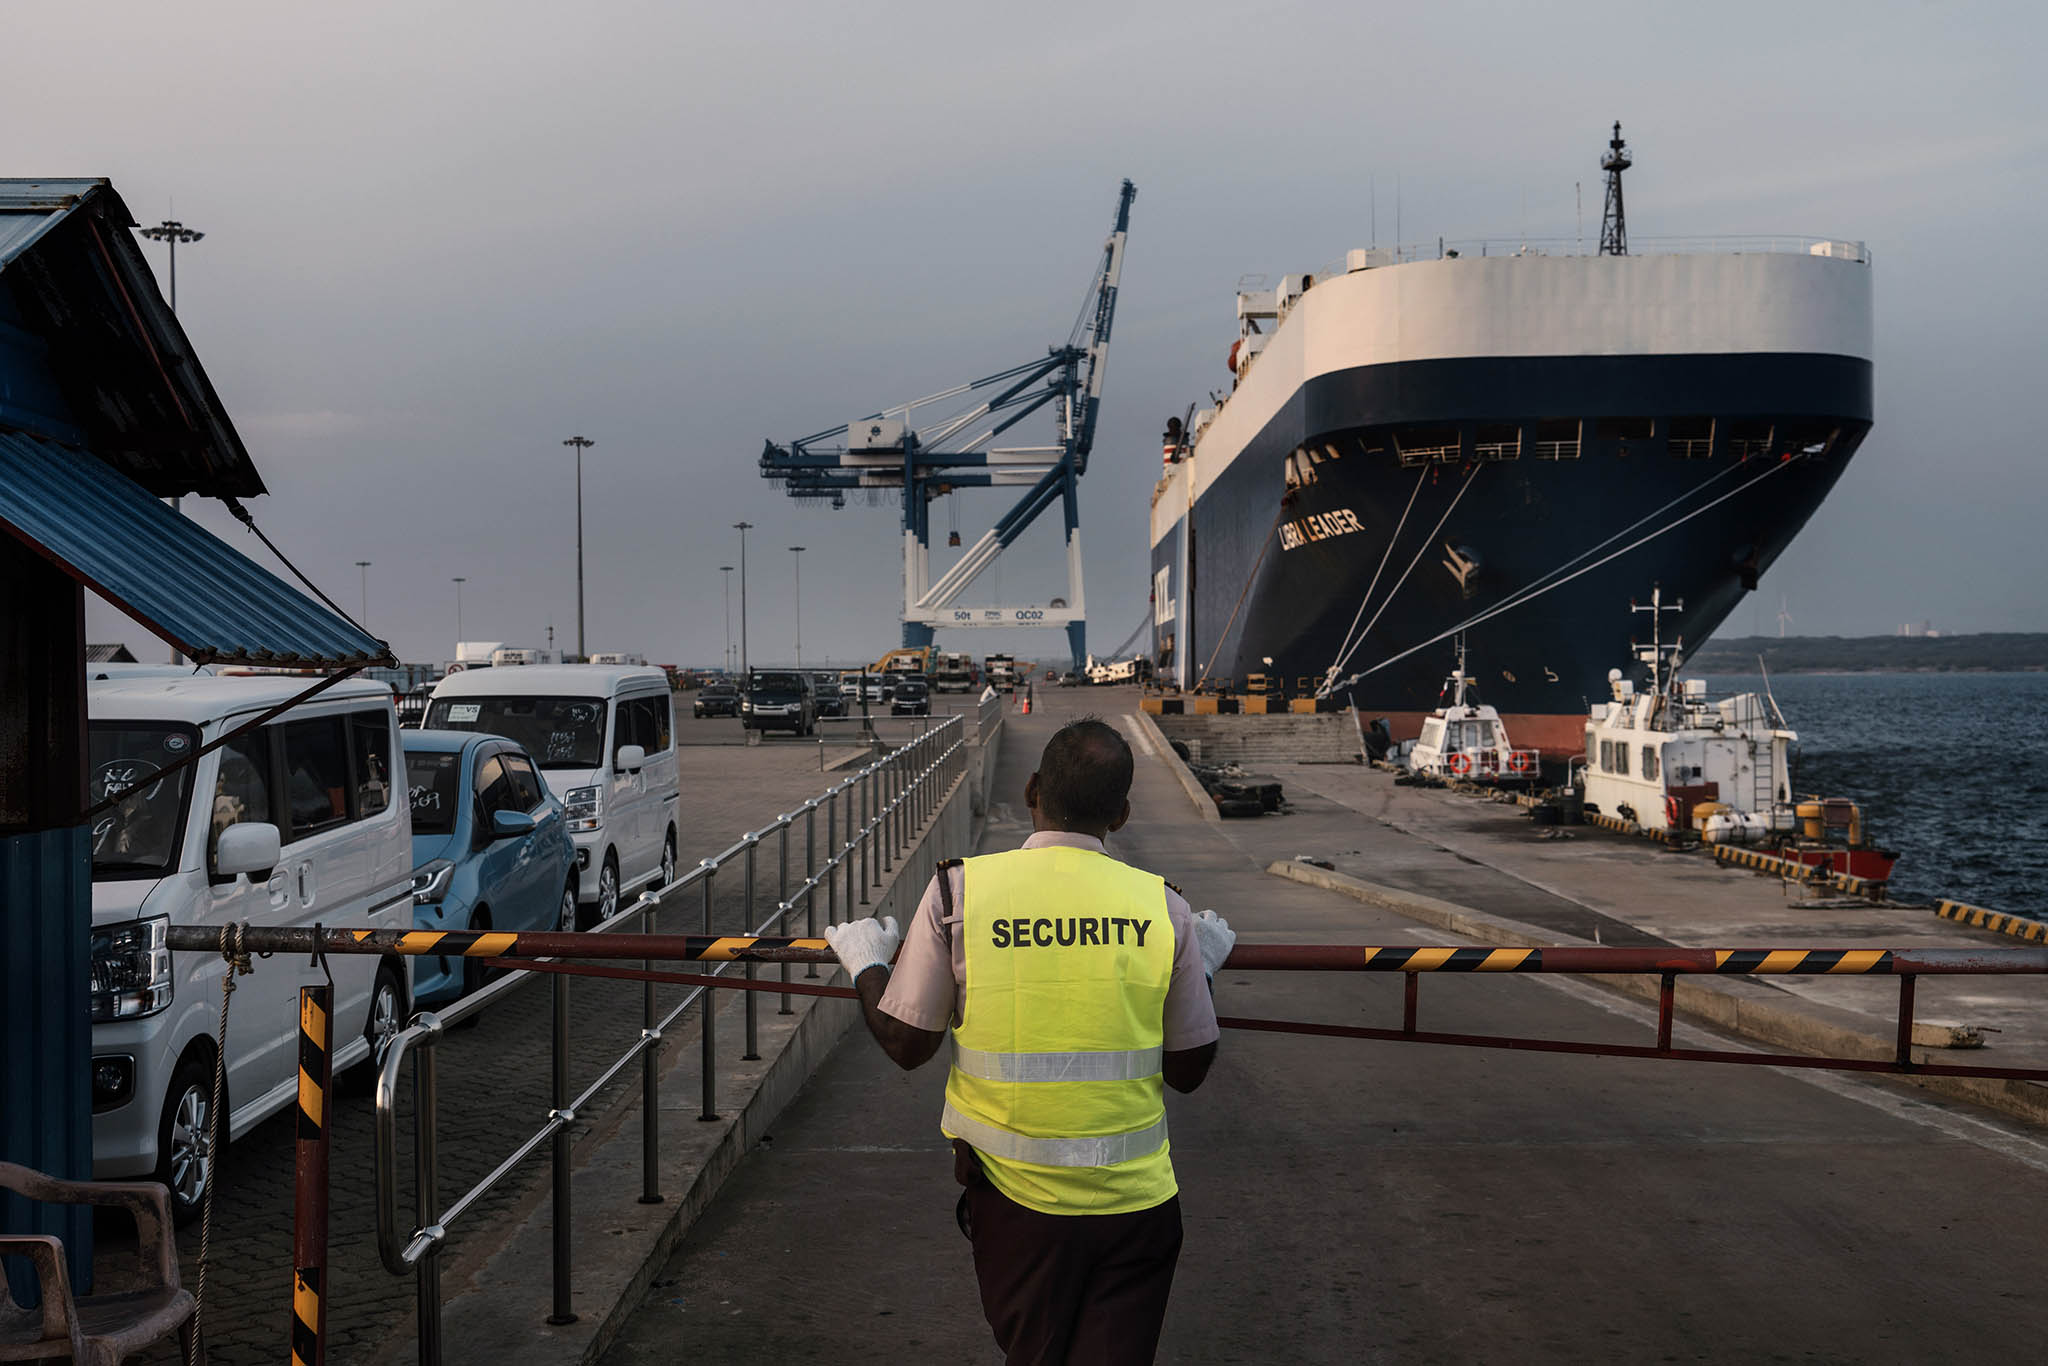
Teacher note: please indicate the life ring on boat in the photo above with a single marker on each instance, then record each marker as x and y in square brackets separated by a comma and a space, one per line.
[1518, 761]
[1671, 813]
[1459, 763]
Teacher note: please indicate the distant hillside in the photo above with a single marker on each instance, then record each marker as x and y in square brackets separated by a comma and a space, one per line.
[1991, 653]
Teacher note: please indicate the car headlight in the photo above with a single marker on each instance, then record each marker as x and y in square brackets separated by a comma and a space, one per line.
[430, 881]
[131, 969]
[746, 706]
[582, 806]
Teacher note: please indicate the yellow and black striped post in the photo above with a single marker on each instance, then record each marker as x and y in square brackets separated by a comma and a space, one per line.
[309, 1203]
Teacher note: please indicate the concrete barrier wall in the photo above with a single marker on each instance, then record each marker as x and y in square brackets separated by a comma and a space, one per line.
[1327, 737]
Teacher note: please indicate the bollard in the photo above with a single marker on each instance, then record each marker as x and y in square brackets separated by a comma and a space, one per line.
[753, 1051]
[650, 1075]
[309, 1186]
[561, 1212]
[710, 1054]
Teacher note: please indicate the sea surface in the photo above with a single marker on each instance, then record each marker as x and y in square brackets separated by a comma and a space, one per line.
[1951, 770]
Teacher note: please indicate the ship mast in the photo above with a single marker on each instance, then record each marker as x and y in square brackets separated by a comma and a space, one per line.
[1662, 678]
[1613, 225]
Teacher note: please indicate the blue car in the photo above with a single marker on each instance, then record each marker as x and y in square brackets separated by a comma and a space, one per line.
[490, 849]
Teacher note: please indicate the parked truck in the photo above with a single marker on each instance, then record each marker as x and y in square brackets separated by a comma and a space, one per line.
[954, 672]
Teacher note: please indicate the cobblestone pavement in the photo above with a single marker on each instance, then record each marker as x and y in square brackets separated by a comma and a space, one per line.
[493, 1084]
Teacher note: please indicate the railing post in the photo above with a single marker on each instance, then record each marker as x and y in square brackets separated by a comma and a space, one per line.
[782, 903]
[811, 873]
[832, 872]
[867, 790]
[561, 1210]
[650, 1075]
[887, 820]
[753, 1051]
[705, 995]
[425, 1159]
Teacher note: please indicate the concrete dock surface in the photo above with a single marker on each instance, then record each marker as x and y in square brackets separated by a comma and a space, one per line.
[1351, 1201]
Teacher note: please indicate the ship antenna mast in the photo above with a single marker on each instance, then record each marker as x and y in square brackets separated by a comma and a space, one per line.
[1613, 224]
[1660, 676]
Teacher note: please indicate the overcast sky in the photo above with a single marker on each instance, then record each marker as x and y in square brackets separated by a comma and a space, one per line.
[442, 237]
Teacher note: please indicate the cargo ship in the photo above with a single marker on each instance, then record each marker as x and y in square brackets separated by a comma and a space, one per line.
[1504, 441]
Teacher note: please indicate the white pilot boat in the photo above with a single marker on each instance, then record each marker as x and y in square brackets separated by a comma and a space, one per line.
[1669, 758]
[1466, 741]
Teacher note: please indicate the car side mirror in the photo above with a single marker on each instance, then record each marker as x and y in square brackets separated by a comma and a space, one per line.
[247, 847]
[510, 825]
[631, 758]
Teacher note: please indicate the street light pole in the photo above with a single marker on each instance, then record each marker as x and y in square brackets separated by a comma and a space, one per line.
[726, 570]
[798, 552]
[171, 232]
[743, 528]
[582, 444]
[364, 619]
[459, 581]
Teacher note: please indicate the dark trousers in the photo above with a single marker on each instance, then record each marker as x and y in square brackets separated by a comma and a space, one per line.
[1082, 1289]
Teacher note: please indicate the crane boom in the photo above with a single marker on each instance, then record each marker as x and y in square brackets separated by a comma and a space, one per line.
[923, 452]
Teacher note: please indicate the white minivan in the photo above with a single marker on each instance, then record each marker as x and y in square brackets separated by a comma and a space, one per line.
[605, 740]
[293, 823]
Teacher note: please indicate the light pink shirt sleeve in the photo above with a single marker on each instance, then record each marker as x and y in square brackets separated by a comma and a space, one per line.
[924, 988]
[1190, 1012]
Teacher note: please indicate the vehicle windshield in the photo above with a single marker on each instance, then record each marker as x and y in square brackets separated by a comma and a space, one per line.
[559, 732]
[435, 782]
[778, 685]
[719, 690]
[910, 687]
[140, 836]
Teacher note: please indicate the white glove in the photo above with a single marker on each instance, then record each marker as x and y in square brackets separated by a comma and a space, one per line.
[1214, 937]
[864, 944]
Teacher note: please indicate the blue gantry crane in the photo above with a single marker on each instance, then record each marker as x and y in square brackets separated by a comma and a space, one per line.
[944, 442]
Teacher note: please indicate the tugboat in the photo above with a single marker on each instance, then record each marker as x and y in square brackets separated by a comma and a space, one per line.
[1670, 759]
[1467, 741]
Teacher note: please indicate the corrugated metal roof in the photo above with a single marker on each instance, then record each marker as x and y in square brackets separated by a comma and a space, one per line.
[167, 572]
[108, 654]
[78, 283]
[30, 208]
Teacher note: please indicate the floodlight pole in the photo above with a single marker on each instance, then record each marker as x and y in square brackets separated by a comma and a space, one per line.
[171, 232]
[458, 581]
[582, 444]
[798, 552]
[364, 565]
[743, 528]
[726, 570]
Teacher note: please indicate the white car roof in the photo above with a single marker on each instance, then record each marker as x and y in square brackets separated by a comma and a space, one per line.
[202, 699]
[547, 680]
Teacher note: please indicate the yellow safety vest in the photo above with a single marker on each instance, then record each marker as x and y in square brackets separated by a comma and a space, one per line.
[1055, 1078]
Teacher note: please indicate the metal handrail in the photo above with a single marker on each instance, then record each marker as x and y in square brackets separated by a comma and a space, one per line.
[896, 815]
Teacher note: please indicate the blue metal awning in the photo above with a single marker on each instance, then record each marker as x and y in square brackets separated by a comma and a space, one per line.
[166, 571]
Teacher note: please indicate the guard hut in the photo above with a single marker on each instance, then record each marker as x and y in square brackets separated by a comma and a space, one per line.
[104, 412]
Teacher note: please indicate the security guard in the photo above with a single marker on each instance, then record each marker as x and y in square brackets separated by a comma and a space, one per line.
[1075, 988]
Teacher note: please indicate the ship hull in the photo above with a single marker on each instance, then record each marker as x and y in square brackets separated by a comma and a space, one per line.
[1381, 508]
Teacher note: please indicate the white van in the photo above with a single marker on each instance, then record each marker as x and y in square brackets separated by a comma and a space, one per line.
[605, 740]
[293, 823]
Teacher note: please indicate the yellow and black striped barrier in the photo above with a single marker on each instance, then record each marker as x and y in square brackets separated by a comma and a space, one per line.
[1977, 917]
[1792, 870]
[700, 948]
[309, 1194]
[1723, 962]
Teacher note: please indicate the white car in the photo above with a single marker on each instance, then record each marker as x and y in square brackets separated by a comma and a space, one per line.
[301, 820]
[604, 738]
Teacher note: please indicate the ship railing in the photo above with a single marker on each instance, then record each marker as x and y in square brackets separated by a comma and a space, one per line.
[1778, 244]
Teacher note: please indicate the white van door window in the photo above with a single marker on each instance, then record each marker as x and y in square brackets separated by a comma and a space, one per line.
[241, 792]
[372, 757]
[141, 836]
[316, 775]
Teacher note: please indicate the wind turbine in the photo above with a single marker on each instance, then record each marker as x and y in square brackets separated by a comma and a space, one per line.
[1784, 616]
